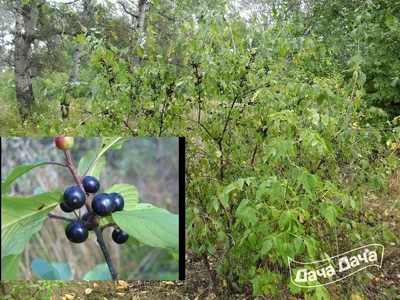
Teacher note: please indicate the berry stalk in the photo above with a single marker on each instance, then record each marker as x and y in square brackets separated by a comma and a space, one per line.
[100, 240]
[78, 180]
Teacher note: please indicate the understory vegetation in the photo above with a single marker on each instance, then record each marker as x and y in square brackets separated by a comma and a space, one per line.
[291, 113]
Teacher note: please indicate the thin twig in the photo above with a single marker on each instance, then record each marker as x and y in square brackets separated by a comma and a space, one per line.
[52, 216]
[107, 225]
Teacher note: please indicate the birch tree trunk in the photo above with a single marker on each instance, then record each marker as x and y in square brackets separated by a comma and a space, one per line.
[25, 24]
[136, 60]
[76, 59]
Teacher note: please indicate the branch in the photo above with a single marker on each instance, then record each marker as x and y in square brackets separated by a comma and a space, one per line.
[52, 216]
[134, 133]
[162, 14]
[100, 240]
[43, 36]
[128, 12]
[78, 180]
[202, 126]
[107, 225]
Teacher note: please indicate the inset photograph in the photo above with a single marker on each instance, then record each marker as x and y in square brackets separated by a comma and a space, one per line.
[90, 208]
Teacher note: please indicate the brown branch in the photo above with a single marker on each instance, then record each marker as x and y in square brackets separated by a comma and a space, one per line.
[128, 12]
[108, 225]
[78, 180]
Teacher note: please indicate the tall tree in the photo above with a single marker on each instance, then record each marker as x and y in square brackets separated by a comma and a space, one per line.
[26, 18]
[138, 20]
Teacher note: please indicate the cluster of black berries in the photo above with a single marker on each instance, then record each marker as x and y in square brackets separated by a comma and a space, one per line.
[103, 205]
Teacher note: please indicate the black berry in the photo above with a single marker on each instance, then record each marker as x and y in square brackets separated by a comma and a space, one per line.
[103, 205]
[118, 200]
[86, 216]
[88, 219]
[119, 236]
[64, 207]
[74, 197]
[76, 232]
[90, 184]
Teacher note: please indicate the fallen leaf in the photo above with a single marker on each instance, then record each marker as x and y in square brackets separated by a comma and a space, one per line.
[120, 294]
[69, 297]
[122, 285]
[169, 282]
[88, 291]
[301, 218]
[374, 279]
[356, 297]
[211, 296]
[95, 285]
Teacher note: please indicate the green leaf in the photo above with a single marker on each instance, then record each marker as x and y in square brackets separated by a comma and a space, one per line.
[329, 212]
[22, 217]
[155, 227]
[361, 79]
[394, 81]
[47, 271]
[111, 143]
[130, 194]
[154, 11]
[64, 270]
[224, 199]
[175, 254]
[80, 38]
[99, 272]
[321, 293]
[284, 219]
[297, 244]
[230, 188]
[253, 239]
[267, 245]
[9, 266]
[95, 169]
[17, 172]
[143, 206]
[211, 249]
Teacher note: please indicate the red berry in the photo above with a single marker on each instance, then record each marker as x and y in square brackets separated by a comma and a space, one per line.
[64, 143]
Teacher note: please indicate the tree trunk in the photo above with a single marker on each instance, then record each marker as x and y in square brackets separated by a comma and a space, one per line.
[76, 59]
[72, 79]
[139, 28]
[25, 24]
